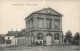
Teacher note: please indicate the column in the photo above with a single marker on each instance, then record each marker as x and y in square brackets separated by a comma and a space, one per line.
[52, 40]
[33, 40]
[52, 23]
[27, 25]
[5, 41]
[44, 40]
[44, 22]
[60, 38]
[28, 38]
[25, 38]
[35, 22]
[30, 24]
[61, 23]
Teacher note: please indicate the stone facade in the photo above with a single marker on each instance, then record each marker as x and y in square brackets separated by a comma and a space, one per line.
[44, 27]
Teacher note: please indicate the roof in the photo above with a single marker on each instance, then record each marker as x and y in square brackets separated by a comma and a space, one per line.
[2, 34]
[12, 33]
[21, 33]
[16, 33]
[47, 11]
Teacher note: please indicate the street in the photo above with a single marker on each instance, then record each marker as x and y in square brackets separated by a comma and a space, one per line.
[42, 48]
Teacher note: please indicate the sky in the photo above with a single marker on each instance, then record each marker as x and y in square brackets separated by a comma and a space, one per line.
[13, 13]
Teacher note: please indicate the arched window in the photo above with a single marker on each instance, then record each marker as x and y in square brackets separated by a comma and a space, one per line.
[49, 34]
[39, 36]
[56, 36]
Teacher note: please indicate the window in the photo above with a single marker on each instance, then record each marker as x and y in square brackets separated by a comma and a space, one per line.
[39, 36]
[8, 41]
[57, 23]
[49, 23]
[56, 36]
[40, 23]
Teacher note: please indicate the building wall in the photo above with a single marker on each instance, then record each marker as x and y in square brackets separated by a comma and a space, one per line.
[45, 37]
[19, 40]
[52, 37]
[35, 21]
[10, 38]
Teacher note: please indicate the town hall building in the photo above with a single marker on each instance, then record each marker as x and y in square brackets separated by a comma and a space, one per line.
[44, 27]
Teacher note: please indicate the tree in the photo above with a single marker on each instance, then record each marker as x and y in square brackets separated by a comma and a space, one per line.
[65, 40]
[77, 38]
[68, 36]
[2, 40]
[73, 40]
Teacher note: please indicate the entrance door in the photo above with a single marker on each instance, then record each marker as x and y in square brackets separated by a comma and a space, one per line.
[39, 41]
[48, 39]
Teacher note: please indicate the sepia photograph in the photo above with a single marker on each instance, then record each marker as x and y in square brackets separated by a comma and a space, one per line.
[39, 25]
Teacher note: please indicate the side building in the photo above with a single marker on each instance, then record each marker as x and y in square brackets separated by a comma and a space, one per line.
[10, 38]
[14, 38]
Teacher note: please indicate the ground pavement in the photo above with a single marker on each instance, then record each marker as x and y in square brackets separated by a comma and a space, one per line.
[41, 48]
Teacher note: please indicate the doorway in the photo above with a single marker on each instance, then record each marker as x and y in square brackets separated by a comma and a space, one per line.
[48, 39]
[39, 41]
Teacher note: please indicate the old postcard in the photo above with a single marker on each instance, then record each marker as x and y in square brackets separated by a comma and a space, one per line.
[39, 25]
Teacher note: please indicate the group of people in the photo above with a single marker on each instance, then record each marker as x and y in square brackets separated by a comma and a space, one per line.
[40, 43]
